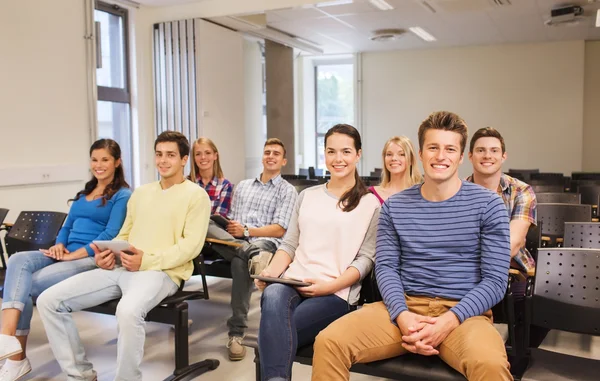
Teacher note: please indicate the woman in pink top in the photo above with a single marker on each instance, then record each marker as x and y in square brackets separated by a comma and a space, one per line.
[400, 169]
[330, 243]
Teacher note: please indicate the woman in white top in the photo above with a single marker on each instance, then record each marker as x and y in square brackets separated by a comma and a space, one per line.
[330, 243]
[400, 169]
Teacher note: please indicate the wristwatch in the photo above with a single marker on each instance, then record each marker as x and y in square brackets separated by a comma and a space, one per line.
[246, 231]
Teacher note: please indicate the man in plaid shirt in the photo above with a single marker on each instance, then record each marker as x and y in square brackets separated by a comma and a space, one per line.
[260, 213]
[487, 152]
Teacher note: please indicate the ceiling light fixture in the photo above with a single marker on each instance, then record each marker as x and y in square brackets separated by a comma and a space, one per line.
[422, 33]
[333, 3]
[385, 35]
[381, 4]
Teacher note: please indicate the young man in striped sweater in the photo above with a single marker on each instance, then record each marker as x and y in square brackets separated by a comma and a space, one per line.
[442, 258]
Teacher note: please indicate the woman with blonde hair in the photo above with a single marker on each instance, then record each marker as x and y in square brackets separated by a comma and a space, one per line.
[400, 170]
[207, 172]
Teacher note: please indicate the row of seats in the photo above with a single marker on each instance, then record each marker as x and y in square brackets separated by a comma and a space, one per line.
[34, 230]
[563, 295]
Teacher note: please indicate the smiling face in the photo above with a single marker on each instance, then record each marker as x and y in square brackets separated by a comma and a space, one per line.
[441, 155]
[341, 156]
[168, 161]
[395, 159]
[204, 157]
[487, 156]
[273, 158]
[103, 165]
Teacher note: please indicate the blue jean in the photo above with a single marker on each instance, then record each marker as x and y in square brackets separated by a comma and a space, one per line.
[28, 274]
[242, 285]
[140, 291]
[289, 321]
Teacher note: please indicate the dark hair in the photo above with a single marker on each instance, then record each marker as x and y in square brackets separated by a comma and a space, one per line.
[176, 137]
[119, 178]
[349, 200]
[487, 132]
[277, 142]
[447, 121]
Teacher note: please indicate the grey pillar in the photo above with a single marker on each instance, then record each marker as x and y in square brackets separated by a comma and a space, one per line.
[279, 62]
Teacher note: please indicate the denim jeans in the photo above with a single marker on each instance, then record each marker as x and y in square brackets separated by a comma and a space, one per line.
[140, 291]
[289, 321]
[242, 285]
[31, 272]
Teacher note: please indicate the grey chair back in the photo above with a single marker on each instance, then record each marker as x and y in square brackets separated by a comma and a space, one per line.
[585, 235]
[34, 230]
[558, 197]
[567, 290]
[554, 216]
[545, 188]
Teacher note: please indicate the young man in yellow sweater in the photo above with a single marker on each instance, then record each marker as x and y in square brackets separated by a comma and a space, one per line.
[165, 226]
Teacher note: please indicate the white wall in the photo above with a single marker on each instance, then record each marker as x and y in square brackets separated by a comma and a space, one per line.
[532, 93]
[43, 98]
[220, 84]
[591, 108]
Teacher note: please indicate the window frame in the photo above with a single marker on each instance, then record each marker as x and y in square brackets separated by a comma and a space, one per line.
[330, 61]
[120, 95]
[117, 94]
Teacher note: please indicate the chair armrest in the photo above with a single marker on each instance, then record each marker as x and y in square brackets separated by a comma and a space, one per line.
[221, 242]
[518, 274]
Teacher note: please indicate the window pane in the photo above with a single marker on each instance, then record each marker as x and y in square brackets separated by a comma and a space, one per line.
[112, 72]
[113, 123]
[335, 96]
[321, 152]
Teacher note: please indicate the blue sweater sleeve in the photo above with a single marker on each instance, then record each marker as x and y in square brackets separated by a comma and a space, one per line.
[63, 233]
[387, 265]
[115, 221]
[495, 261]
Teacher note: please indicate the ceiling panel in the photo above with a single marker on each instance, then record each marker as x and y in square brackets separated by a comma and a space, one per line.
[454, 23]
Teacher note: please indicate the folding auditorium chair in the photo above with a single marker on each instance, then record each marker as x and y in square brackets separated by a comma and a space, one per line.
[558, 198]
[300, 184]
[547, 178]
[554, 216]
[590, 195]
[522, 174]
[583, 235]
[31, 231]
[547, 188]
[408, 367]
[563, 296]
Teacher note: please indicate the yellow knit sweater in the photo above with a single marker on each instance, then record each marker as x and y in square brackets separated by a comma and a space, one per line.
[169, 226]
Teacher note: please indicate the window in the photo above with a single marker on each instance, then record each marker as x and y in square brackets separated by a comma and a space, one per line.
[112, 78]
[334, 90]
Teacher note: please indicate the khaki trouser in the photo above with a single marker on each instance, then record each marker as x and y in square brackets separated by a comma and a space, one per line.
[474, 348]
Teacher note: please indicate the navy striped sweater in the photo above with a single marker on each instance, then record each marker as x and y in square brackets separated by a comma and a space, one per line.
[454, 249]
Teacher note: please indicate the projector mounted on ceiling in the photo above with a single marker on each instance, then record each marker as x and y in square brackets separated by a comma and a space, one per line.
[565, 15]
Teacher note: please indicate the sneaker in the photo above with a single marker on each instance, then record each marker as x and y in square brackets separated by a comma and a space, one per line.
[14, 370]
[237, 351]
[9, 346]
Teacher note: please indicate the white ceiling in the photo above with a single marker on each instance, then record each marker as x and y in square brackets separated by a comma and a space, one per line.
[347, 28]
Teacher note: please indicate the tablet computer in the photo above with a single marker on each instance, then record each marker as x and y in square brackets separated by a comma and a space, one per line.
[116, 246]
[220, 220]
[291, 282]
